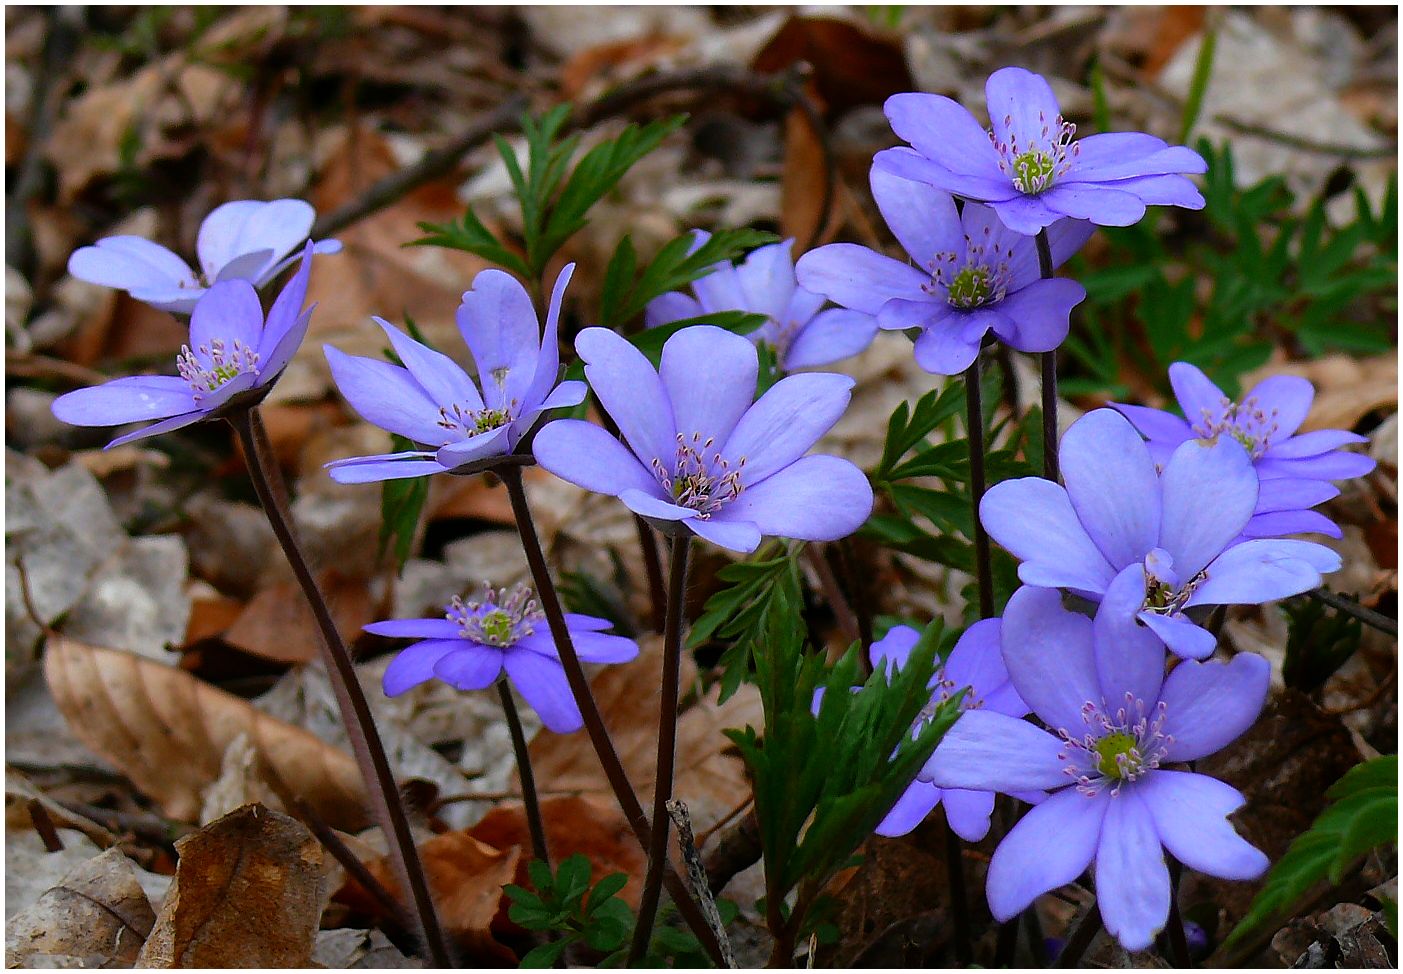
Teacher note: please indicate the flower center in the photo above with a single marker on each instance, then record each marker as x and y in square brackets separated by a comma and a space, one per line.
[970, 288]
[1034, 164]
[700, 478]
[982, 279]
[472, 422]
[210, 366]
[496, 618]
[1247, 422]
[1116, 747]
[1165, 594]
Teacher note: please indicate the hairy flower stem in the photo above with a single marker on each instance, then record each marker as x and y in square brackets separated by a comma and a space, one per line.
[653, 569]
[1178, 942]
[974, 425]
[1049, 370]
[1081, 938]
[667, 749]
[350, 699]
[589, 710]
[528, 779]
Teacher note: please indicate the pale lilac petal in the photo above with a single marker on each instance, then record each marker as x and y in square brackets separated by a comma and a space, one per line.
[943, 131]
[1125, 155]
[319, 247]
[1279, 524]
[1209, 491]
[893, 649]
[1041, 314]
[829, 337]
[1199, 398]
[415, 664]
[1090, 201]
[570, 393]
[766, 278]
[1049, 847]
[244, 226]
[740, 536]
[923, 218]
[708, 374]
[858, 278]
[285, 318]
[1033, 518]
[228, 312]
[128, 262]
[1286, 398]
[1112, 484]
[1155, 424]
[968, 812]
[631, 393]
[910, 810]
[992, 186]
[1261, 571]
[548, 360]
[1132, 878]
[249, 267]
[1027, 214]
[1339, 465]
[786, 421]
[944, 347]
[164, 426]
[1051, 658]
[670, 307]
[1313, 444]
[386, 395]
[444, 381]
[1190, 813]
[211, 401]
[1021, 107]
[1129, 657]
[438, 628]
[470, 666]
[1184, 638]
[901, 314]
[542, 683]
[479, 447]
[587, 456]
[985, 751]
[1209, 704]
[601, 647]
[575, 621]
[1162, 191]
[390, 466]
[178, 301]
[132, 399]
[720, 289]
[977, 660]
[1064, 238]
[281, 354]
[647, 503]
[817, 498]
[499, 324]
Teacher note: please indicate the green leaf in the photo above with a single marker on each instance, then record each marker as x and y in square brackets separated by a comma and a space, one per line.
[1364, 816]
[545, 955]
[471, 236]
[1198, 85]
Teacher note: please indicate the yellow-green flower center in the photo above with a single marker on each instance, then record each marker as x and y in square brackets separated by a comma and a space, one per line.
[490, 419]
[1109, 751]
[971, 287]
[1033, 171]
[496, 627]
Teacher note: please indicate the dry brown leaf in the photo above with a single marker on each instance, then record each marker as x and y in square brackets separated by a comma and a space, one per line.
[98, 912]
[248, 892]
[168, 732]
[805, 184]
[852, 65]
[278, 624]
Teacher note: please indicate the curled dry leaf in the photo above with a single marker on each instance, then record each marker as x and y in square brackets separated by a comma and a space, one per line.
[97, 913]
[168, 732]
[248, 892]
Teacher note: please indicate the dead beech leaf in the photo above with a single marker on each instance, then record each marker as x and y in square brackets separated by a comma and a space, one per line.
[168, 732]
[852, 65]
[466, 877]
[98, 912]
[248, 892]
[278, 624]
[805, 184]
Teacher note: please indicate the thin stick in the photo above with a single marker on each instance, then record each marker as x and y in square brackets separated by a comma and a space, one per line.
[959, 903]
[589, 709]
[667, 749]
[1081, 938]
[44, 825]
[528, 779]
[653, 569]
[1049, 370]
[350, 862]
[350, 700]
[1349, 607]
[842, 611]
[696, 876]
[974, 424]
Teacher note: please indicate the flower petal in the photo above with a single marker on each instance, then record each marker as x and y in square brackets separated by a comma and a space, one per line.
[942, 130]
[1021, 107]
[602, 647]
[910, 810]
[387, 466]
[1155, 424]
[1112, 484]
[816, 498]
[1263, 571]
[386, 395]
[1184, 638]
[479, 447]
[1101, 205]
[1041, 314]
[977, 660]
[631, 392]
[990, 186]
[415, 664]
[542, 683]
[1286, 398]
[923, 218]
[708, 374]
[1166, 190]
[733, 535]
[1129, 657]
[1313, 444]
[1049, 847]
[437, 628]
[829, 337]
[893, 649]
[470, 666]
[1033, 518]
[1027, 214]
[786, 421]
[670, 307]
[1202, 401]
[587, 456]
[1190, 813]
[228, 312]
[946, 346]
[1126, 155]
[547, 370]
[131, 399]
[440, 377]
[766, 278]
[1210, 491]
[287, 322]
[1051, 658]
[1278, 524]
[858, 278]
[499, 324]
[244, 226]
[164, 426]
[1337, 465]
[1209, 704]
[968, 812]
[985, 751]
[128, 262]
[1132, 878]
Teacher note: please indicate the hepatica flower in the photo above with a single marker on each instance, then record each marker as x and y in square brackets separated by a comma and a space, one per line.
[701, 453]
[977, 664]
[244, 240]
[800, 333]
[1115, 721]
[433, 402]
[475, 641]
[1155, 546]
[969, 275]
[1028, 165]
[1295, 469]
[233, 351]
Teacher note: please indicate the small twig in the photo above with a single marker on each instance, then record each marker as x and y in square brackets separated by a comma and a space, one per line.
[842, 611]
[1304, 143]
[1371, 618]
[44, 825]
[696, 878]
[498, 796]
[28, 365]
[705, 835]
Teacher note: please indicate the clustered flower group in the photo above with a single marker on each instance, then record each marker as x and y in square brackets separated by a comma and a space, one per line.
[1159, 518]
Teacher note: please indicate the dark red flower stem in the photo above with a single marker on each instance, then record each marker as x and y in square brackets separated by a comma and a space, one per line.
[1049, 371]
[1178, 942]
[534, 821]
[1081, 938]
[350, 699]
[667, 748]
[589, 710]
[974, 425]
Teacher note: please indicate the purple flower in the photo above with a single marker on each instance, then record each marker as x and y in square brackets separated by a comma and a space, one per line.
[1115, 720]
[1152, 545]
[1029, 167]
[701, 452]
[232, 351]
[1295, 470]
[800, 334]
[432, 401]
[245, 240]
[976, 663]
[972, 275]
[478, 639]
